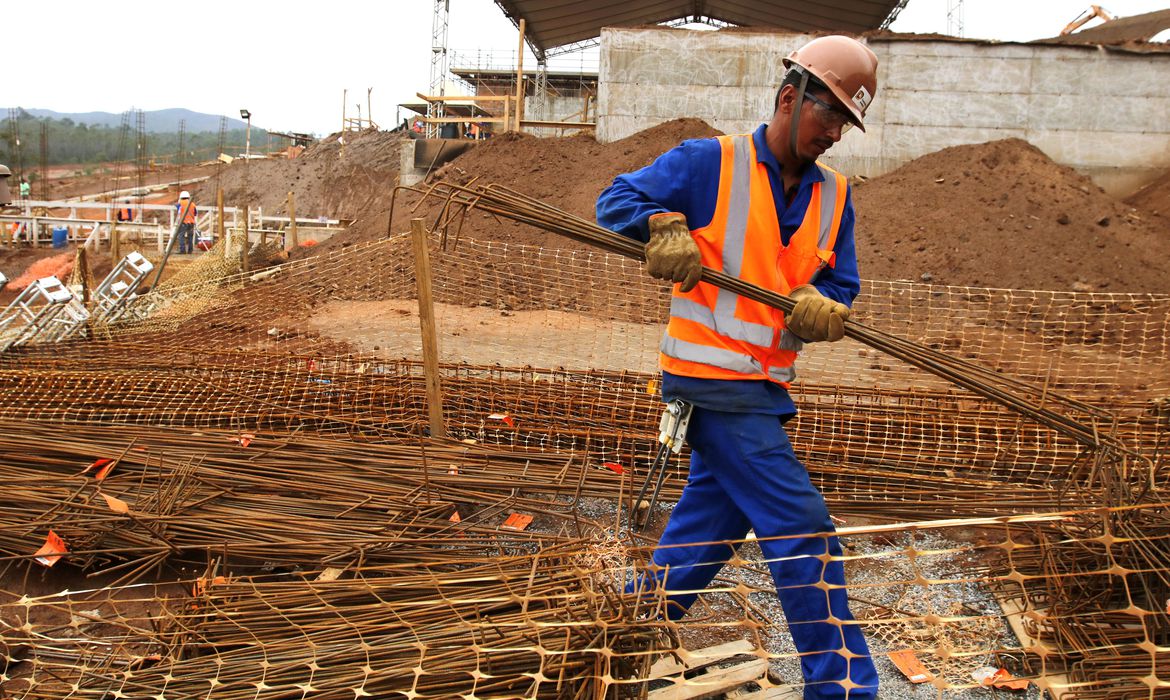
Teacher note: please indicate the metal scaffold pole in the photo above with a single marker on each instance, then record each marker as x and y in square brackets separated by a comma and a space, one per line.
[438, 63]
[955, 17]
[542, 94]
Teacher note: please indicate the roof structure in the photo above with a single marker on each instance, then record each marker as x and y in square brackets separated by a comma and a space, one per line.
[555, 24]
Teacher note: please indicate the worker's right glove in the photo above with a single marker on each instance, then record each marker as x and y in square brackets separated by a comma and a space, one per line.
[672, 253]
[816, 317]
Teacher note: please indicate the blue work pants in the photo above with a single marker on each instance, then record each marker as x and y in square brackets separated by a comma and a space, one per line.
[186, 238]
[744, 475]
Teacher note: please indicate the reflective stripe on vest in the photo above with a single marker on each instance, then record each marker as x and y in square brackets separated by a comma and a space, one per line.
[726, 359]
[721, 317]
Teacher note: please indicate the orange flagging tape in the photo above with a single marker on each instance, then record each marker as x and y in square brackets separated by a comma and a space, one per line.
[504, 417]
[908, 663]
[517, 522]
[103, 466]
[201, 585]
[244, 439]
[52, 550]
[999, 678]
[116, 504]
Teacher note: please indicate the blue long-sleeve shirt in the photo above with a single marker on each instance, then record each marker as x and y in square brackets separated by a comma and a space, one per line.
[685, 179]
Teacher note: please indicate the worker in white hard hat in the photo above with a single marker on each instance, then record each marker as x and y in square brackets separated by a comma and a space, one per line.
[758, 207]
[186, 212]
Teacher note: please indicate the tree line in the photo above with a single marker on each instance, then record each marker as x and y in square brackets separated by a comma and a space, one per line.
[69, 142]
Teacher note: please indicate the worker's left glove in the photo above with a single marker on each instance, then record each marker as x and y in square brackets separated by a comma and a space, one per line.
[816, 317]
[672, 253]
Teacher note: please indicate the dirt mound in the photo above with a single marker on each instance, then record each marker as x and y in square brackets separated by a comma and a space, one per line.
[59, 266]
[340, 176]
[1003, 214]
[999, 214]
[1154, 197]
[568, 172]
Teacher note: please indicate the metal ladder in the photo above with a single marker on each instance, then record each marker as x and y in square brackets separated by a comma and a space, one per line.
[114, 295]
[34, 311]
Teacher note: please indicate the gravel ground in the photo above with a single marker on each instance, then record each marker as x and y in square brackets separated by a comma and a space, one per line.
[886, 584]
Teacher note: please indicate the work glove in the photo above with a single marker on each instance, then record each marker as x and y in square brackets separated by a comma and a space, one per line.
[816, 317]
[672, 253]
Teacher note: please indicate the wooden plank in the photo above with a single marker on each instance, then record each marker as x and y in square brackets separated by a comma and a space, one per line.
[558, 125]
[699, 658]
[1014, 614]
[520, 75]
[463, 98]
[787, 692]
[451, 120]
[715, 681]
[430, 339]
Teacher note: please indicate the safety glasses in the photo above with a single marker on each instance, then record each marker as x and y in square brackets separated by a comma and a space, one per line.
[829, 116]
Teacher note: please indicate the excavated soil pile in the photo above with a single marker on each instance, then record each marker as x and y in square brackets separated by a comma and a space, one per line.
[1154, 198]
[998, 214]
[567, 172]
[1003, 214]
[334, 178]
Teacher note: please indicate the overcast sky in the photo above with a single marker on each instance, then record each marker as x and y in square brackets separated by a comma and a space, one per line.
[289, 66]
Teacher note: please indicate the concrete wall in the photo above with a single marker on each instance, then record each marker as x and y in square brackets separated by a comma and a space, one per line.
[1101, 112]
[558, 108]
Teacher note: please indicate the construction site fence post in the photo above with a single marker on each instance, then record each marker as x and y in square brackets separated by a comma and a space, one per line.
[219, 212]
[520, 77]
[243, 247]
[292, 241]
[430, 339]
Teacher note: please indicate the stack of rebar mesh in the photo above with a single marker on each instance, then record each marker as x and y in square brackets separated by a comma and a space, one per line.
[340, 550]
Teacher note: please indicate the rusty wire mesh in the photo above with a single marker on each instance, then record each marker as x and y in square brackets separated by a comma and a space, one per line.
[1056, 570]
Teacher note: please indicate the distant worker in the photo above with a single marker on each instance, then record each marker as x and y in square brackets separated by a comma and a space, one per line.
[417, 127]
[186, 210]
[25, 189]
[758, 207]
[125, 213]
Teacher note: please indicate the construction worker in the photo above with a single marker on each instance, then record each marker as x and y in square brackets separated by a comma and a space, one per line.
[761, 208]
[186, 210]
[125, 213]
[25, 189]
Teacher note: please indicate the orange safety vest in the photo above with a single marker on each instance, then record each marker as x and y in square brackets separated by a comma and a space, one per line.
[717, 334]
[190, 217]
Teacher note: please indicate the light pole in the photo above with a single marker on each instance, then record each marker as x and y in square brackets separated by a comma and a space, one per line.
[247, 134]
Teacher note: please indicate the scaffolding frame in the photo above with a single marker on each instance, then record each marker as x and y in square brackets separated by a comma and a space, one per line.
[438, 64]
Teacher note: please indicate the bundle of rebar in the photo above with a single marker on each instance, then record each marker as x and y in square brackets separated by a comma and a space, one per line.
[1078, 420]
[535, 625]
[256, 500]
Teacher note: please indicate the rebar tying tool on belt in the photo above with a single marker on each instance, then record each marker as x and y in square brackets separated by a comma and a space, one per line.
[672, 432]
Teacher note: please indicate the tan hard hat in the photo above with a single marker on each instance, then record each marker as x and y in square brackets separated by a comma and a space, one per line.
[846, 66]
